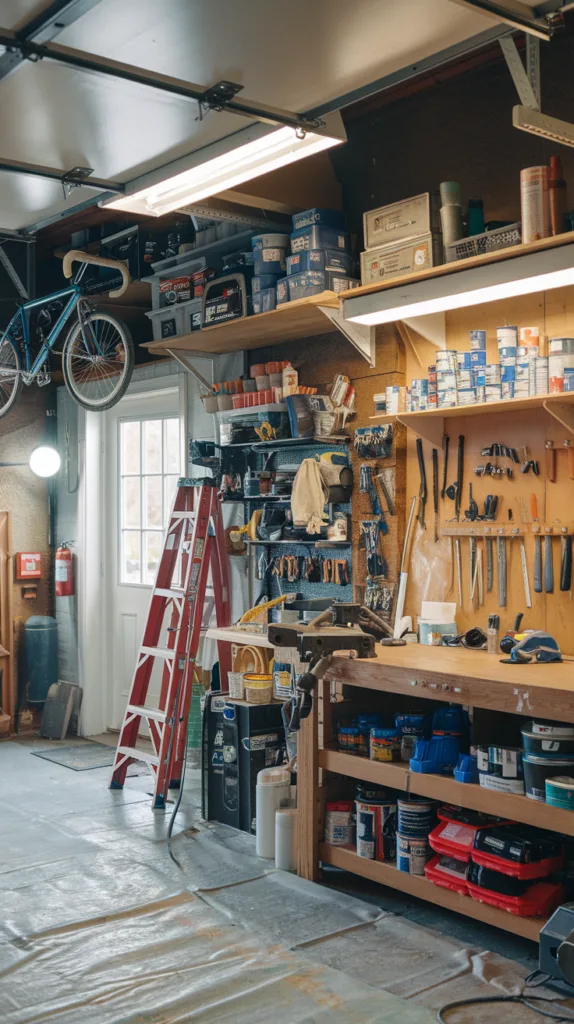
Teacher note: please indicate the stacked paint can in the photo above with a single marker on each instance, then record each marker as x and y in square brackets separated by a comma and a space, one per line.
[548, 756]
[376, 821]
[419, 394]
[507, 339]
[446, 373]
[501, 769]
[560, 365]
[416, 818]
[432, 396]
[478, 364]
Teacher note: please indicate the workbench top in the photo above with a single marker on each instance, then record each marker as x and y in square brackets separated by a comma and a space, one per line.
[457, 675]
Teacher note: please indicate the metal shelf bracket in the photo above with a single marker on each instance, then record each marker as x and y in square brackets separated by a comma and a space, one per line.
[361, 337]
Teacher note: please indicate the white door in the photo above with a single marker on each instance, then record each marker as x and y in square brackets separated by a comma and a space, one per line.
[143, 459]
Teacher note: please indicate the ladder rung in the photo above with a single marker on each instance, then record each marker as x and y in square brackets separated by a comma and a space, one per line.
[139, 755]
[182, 515]
[175, 592]
[155, 713]
[158, 652]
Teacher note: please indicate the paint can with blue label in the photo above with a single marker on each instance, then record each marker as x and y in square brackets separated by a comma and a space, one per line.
[560, 792]
[412, 855]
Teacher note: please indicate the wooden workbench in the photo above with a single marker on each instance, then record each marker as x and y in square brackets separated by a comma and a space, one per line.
[453, 675]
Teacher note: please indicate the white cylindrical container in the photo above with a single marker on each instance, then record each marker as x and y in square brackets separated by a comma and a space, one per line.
[286, 839]
[534, 202]
[273, 792]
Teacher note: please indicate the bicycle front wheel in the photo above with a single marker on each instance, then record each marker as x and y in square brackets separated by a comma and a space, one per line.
[10, 375]
[98, 361]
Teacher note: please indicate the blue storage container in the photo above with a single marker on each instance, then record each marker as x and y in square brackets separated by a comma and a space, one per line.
[282, 290]
[269, 261]
[318, 215]
[269, 241]
[41, 642]
[319, 238]
[336, 281]
[264, 300]
[262, 281]
[320, 259]
[308, 282]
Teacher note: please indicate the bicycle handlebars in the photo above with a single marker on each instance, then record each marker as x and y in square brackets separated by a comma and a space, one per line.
[100, 261]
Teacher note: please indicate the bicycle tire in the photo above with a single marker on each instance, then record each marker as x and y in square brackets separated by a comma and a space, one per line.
[99, 405]
[16, 390]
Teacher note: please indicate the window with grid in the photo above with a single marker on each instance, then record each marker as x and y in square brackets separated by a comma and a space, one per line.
[149, 471]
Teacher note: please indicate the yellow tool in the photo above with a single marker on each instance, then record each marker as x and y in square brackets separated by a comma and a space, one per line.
[265, 432]
[250, 528]
[255, 613]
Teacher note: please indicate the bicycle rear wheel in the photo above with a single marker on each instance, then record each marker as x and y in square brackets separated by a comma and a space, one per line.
[98, 361]
[10, 375]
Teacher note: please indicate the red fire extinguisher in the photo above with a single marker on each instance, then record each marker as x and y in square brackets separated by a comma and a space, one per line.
[63, 574]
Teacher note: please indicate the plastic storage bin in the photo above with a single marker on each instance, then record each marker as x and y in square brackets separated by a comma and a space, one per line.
[282, 290]
[175, 321]
[335, 281]
[261, 281]
[320, 259]
[264, 300]
[269, 241]
[318, 215]
[319, 238]
[184, 269]
[309, 282]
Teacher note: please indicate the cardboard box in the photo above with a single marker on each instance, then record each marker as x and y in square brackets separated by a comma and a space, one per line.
[397, 222]
[389, 261]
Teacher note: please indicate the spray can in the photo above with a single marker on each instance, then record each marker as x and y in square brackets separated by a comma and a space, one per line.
[534, 203]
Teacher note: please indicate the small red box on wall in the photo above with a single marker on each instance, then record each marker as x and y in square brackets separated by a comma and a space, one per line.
[28, 565]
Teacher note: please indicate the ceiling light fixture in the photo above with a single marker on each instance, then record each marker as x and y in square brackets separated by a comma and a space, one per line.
[223, 165]
[537, 272]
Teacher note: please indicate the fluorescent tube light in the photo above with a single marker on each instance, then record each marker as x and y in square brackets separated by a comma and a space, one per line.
[521, 275]
[237, 159]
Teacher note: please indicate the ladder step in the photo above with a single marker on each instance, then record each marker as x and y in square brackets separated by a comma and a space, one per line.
[154, 713]
[139, 755]
[174, 592]
[158, 652]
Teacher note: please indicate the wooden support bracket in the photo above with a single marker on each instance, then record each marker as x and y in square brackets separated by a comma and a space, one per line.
[425, 424]
[561, 411]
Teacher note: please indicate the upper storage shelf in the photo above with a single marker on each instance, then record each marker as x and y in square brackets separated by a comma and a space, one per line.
[291, 321]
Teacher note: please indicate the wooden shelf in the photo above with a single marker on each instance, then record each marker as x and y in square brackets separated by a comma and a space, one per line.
[291, 321]
[238, 636]
[429, 424]
[448, 790]
[415, 885]
[500, 256]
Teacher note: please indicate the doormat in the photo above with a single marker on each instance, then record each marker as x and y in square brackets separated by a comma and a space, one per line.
[83, 756]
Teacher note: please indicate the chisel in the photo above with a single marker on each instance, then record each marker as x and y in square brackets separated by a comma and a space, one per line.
[435, 491]
[537, 564]
[472, 552]
[527, 596]
[566, 563]
[489, 563]
[501, 560]
[458, 570]
[548, 566]
[446, 444]
[423, 484]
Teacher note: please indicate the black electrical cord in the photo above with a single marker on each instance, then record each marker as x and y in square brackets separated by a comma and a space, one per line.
[520, 1000]
[176, 808]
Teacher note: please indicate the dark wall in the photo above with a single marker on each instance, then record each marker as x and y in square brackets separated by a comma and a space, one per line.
[458, 130]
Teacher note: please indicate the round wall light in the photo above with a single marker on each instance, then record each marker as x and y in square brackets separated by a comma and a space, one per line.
[45, 460]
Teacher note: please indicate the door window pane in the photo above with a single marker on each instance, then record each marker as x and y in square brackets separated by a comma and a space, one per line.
[171, 446]
[152, 445]
[153, 511]
[149, 471]
[131, 501]
[152, 548]
[131, 556]
[130, 447]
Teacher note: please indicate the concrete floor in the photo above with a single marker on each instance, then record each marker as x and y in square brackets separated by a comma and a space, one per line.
[72, 851]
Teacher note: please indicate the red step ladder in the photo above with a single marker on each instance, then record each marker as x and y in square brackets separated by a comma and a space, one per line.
[194, 542]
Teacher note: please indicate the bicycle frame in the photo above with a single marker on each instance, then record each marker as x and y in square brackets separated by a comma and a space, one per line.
[73, 295]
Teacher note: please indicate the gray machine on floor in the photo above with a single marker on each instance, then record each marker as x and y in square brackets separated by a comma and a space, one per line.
[556, 956]
[239, 739]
